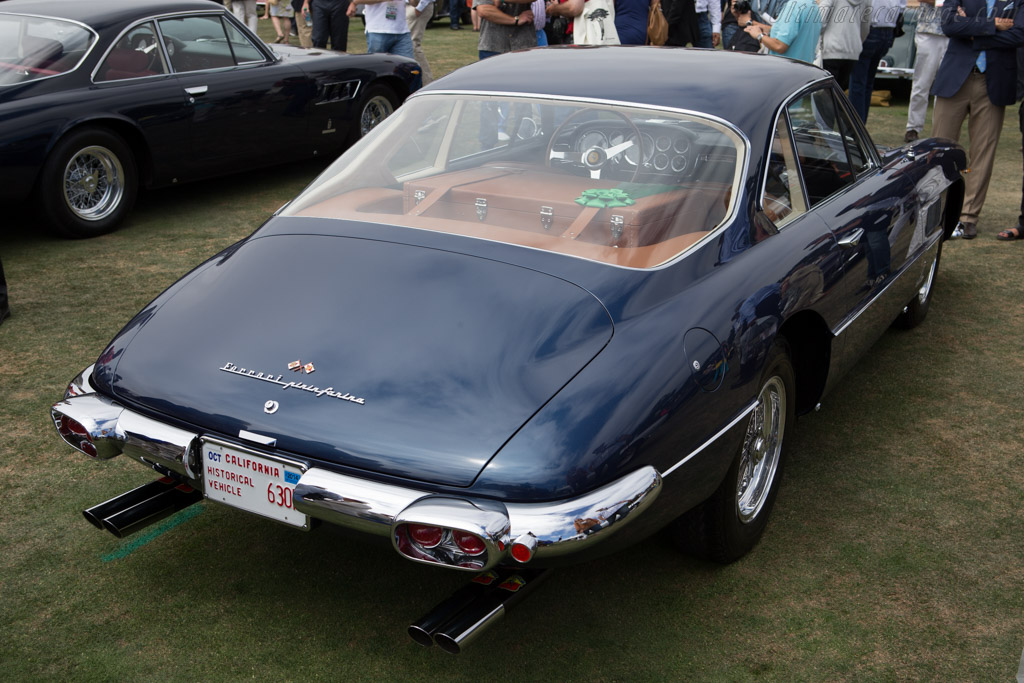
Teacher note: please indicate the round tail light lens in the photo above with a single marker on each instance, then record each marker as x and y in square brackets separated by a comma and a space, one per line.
[521, 553]
[425, 535]
[471, 544]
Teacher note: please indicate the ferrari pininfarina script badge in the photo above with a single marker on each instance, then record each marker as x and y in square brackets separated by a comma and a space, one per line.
[270, 377]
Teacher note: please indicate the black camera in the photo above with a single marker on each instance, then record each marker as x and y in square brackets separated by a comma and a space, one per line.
[741, 7]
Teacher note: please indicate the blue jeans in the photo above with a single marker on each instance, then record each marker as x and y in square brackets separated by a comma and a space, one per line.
[392, 43]
[704, 27]
[862, 78]
[455, 11]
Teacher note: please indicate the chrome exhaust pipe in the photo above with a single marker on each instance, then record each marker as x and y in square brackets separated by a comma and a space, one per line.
[422, 630]
[141, 507]
[466, 624]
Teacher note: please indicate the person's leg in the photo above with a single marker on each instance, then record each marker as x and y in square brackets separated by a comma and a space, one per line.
[252, 19]
[305, 32]
[339, 26]
[321, 24]
[704, 31]
[282, 36]
[455, 13]
[862, 77]
[983, 129]
[376, 42]
[417, 27]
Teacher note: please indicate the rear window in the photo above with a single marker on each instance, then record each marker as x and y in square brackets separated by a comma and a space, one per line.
[38, 47]
[621, 185]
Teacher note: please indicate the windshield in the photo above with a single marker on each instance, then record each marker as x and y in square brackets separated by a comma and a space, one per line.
[615, 184]
[36, 47]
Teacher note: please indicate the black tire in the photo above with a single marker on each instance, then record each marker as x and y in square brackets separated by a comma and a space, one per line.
[916, 310]
[378, 103]
[729, 524]
[88, 183]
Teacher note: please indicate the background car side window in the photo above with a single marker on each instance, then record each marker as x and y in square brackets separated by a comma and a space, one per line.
[196, 43]
[135, 55]
[783, 198]
[820, 146]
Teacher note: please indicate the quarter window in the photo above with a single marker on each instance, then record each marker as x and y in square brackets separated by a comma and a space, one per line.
[823, 146]
[783, 198]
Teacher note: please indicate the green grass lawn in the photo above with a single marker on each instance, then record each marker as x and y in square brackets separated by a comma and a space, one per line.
[895, 551]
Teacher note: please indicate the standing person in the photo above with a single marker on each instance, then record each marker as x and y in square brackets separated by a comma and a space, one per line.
[276, 13]
[330, 21]
[631, 21]
[977, 79]
[694, 22]
[709, 23]
[455, 14]
[386, 27]
[304, 23]
[245, 12]
[504, 28]
[1017, 231]
[740, 41]
[5, 307]
[930, 42]
[844, 26]
[418, 18]
[795, 32]
[884, 15]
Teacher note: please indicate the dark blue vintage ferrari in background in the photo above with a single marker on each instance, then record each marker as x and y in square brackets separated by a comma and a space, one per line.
[100, 98]
[526, 324]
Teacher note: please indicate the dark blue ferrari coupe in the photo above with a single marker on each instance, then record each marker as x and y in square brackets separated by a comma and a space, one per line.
[561, 300]
[100, 98]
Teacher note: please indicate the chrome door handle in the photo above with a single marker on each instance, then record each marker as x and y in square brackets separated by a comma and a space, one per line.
[852, 240]
[197, 90]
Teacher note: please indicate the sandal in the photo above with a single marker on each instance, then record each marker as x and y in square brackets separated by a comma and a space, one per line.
[1014, 233]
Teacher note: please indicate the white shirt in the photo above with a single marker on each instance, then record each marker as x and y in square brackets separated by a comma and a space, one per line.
[714, 10]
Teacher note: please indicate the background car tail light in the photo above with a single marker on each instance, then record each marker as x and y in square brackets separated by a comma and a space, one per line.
[76, 435]
[471, 544]
[426, 535]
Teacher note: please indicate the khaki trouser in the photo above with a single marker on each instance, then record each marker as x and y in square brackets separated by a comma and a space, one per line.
[417, 27]
[985, 123]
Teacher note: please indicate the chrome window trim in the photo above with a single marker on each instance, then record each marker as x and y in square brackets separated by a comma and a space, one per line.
[717, 232]
[268, 55]
[742, 414]
[85, 55]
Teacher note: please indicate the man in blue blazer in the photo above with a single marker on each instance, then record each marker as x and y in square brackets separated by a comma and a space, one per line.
[978, 79]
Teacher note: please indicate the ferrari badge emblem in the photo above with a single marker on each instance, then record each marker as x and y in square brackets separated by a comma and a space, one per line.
[297, 366]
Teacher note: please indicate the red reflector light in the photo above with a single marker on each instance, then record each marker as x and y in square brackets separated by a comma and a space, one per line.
[521, 553]
[425, 535]
[470, 544]
[70, 428]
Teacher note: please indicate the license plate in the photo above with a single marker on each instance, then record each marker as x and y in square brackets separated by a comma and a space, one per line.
[251, 481]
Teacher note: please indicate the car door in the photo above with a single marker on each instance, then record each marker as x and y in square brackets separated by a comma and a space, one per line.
[869, 208]
[244, 107]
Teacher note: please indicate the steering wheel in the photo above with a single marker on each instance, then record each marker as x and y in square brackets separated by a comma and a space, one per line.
[595, 158]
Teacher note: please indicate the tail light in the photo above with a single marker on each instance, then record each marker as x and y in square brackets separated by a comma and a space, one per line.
[471, 544]
[524, 547]
[426, 535]
[75, 434]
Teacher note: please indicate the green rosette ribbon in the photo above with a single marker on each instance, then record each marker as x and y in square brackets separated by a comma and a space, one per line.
[605, 199]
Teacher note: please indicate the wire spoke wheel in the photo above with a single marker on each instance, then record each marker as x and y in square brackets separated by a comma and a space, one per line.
[376, 109]
[93, 183]
[762, 447]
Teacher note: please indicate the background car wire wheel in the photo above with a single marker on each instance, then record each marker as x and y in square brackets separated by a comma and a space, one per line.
[88, 184]
[379, 103]
[729, 524]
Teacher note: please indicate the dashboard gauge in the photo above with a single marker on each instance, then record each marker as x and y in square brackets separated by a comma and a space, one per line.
[663, 143]
[660, 161]
[593, 138]
[679, 163]
[681, 145]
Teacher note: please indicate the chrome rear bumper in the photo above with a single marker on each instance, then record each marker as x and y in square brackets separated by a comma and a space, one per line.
[551, 529]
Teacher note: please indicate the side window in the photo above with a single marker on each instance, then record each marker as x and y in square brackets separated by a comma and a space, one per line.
[820, 145]
[860, 160]
[783, 198]
[245, 51]
[135, 55]
[196, 43]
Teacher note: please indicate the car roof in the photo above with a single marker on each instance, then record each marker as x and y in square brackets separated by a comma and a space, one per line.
[98, 13]
[742, 88]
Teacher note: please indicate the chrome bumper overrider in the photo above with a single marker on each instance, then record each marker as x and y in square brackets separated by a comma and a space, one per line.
[550, 529]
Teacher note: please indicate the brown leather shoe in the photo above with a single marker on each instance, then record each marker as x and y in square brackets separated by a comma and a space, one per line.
[911, 136]
[970, 230]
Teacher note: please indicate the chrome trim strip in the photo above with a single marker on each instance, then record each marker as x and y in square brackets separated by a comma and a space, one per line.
[746, 411]
[155, 443]
[903, 271]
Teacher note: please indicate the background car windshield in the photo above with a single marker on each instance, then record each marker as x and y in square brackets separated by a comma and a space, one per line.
[36, 47]
[620, 185]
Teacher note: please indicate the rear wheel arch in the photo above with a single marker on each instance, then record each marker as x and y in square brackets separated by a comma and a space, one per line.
[810, 349]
